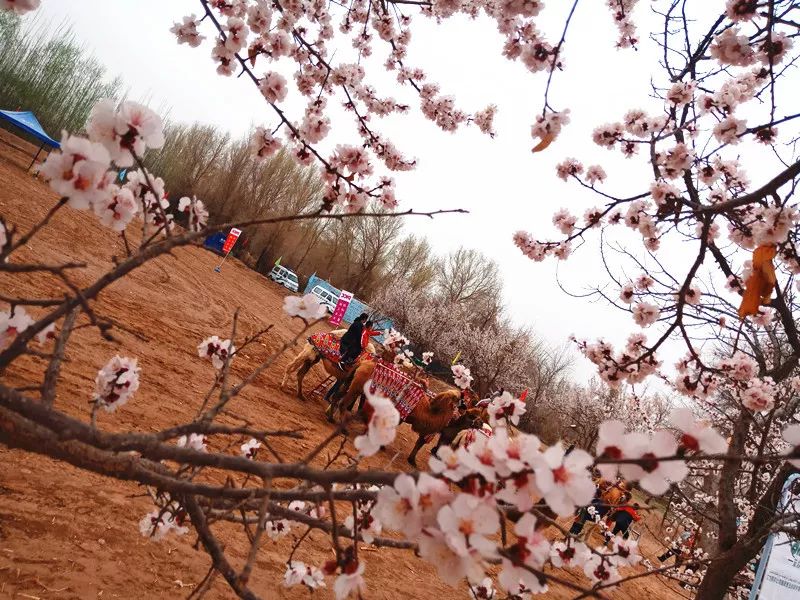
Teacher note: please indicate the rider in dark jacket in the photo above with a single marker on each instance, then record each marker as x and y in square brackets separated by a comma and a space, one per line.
[350, 344]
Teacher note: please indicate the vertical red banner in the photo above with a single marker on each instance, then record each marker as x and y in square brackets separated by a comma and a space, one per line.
[233, 235]
[341, 308]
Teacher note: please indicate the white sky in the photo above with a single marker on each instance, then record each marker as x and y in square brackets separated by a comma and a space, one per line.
[503, 185]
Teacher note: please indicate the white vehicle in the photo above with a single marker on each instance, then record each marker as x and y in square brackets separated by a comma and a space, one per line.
[286, 277]
[327, 298]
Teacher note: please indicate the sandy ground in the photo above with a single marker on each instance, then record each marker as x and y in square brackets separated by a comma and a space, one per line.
[67, 533]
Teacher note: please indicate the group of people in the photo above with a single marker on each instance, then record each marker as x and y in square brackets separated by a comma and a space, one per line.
[611, 502]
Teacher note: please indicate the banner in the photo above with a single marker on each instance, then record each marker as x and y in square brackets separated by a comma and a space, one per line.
[233, 235]
[778, 575]
[341, 308]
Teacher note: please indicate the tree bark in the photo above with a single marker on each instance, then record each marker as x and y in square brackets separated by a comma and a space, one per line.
[727, 564]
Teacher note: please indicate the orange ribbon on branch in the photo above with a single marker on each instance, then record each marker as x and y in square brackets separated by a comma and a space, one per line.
[758, 287]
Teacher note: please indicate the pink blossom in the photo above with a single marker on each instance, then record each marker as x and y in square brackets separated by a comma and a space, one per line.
[451, 566]
[741, 10]
[461, 376]
[263, 144]
[608, 135]
[773, 51]
[565, 481]
[447, 463]
[564, 221]
[599, 571]
[693, 296]
[570, 167]
[116, 382]
[550, 124]
[298, 572]
[117, 208]
[466, 522]
[250, 448]
[77, 170]
[729, 130]
[653, 475]
[186, 32]
[127, 131]
[610, 443]
[675, 162]
[215, 350]
[759, 395]
[12, 324]
[306, 307]
[353, 159]
[259, 16]
[193, 441]
[732, 48]
[624, 553]
[697, 435]
[398, 507]
[569, 553]
[484, 119]
[195, 211]
[681, 93]
[46, 334]
[505, 408]
[645, 314]
[644, 282]
[350, 582]
[595, 174]
[382, 426]
[627, 293]
[273, 87]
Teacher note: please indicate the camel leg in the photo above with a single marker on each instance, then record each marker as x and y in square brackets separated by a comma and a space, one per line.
[301, 373]
[412, 458]
[295, 364]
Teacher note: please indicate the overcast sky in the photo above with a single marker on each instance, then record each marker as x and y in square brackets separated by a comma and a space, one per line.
[503, 185]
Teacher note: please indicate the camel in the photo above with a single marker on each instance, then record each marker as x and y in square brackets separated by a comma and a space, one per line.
[308, 357]
[430, 416]
[452, 434]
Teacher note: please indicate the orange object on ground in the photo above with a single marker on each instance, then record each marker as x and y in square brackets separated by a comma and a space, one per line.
[758, 287]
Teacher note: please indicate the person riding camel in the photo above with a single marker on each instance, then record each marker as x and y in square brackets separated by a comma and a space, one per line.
[350, 344]
[368, 333]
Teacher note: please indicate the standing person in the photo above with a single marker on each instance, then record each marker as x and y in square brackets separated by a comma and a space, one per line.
[350, 344]
[622, 519]
[607, 496]
[366, 334]
[687, 540]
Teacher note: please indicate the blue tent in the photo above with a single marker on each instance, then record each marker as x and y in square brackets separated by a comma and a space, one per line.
[215, 241]
[27, 122]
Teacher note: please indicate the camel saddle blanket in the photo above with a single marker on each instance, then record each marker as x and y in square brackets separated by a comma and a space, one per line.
[327, 344]
[398, 387]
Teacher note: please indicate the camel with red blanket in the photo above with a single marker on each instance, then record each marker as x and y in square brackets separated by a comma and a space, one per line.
[427, 415]
[319, 347]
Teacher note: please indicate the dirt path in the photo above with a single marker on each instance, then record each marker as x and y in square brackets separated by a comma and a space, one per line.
[67, 533]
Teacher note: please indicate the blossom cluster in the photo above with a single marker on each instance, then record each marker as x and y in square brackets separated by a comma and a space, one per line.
[216, 350]
[116, 382]
[454, 527]
[81, 170]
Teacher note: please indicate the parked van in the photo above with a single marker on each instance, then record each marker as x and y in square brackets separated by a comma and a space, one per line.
[286, 277]
[327, 298]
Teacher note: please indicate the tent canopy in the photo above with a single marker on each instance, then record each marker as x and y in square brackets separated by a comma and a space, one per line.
[26, 121]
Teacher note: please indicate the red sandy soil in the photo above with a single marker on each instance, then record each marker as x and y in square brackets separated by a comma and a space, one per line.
[68, 533]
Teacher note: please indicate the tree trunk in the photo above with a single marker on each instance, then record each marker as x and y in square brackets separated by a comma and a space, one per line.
[722, 570]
